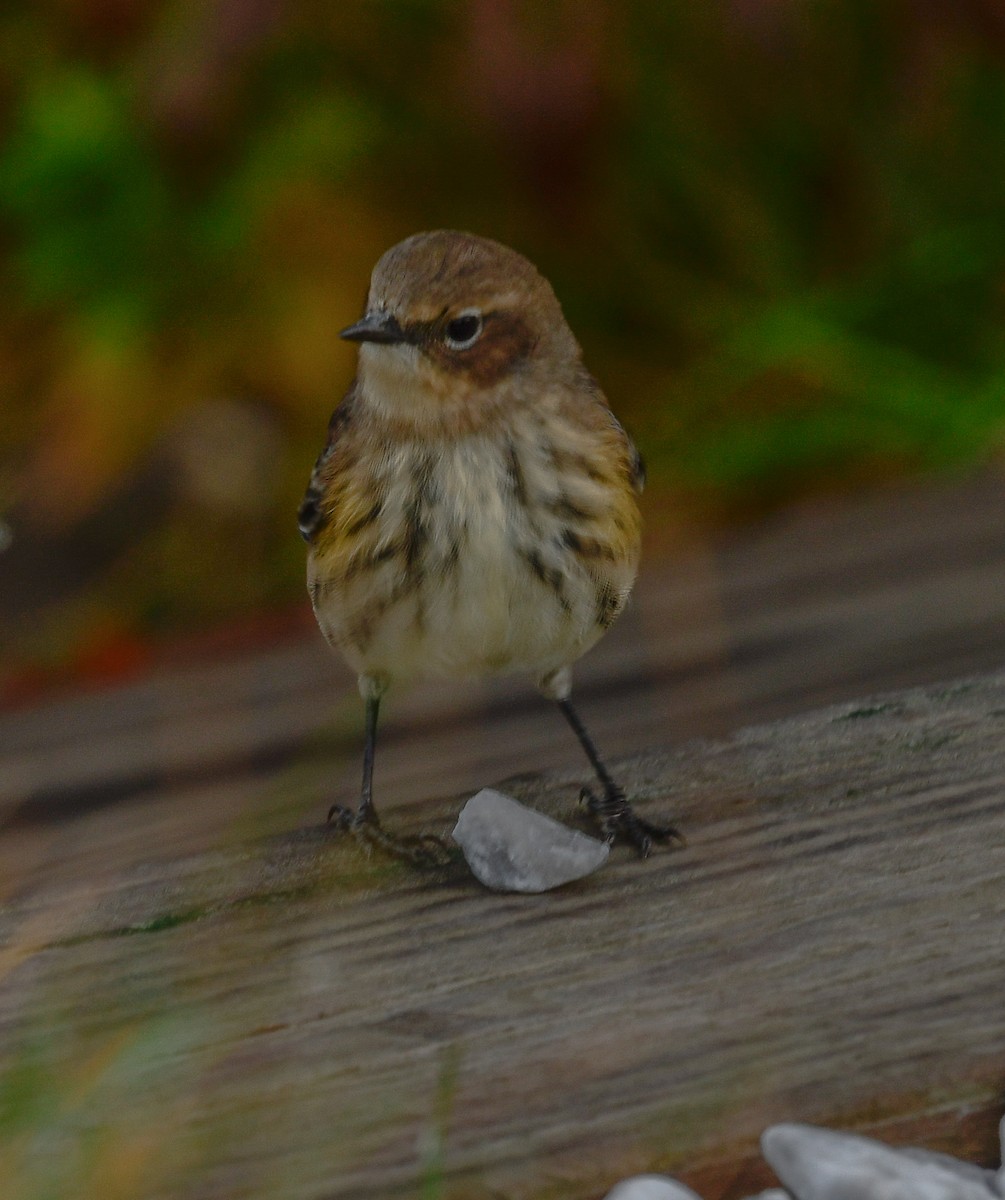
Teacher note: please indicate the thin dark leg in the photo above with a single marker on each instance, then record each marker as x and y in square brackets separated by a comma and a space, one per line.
[366, 810]
[423, 849]
[580, 730]
[612, 810]
[366, 814]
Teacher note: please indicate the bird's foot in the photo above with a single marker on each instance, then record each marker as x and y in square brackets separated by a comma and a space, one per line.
[617, 819]
[421, 849]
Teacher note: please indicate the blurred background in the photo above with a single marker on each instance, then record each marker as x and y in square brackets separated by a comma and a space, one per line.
[777, 227]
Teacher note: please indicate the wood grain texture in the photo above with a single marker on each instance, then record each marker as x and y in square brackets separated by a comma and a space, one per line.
[829, 947]
[197, 957]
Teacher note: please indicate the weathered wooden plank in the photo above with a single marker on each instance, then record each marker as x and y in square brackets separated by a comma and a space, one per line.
[829, 947]
[815, 605]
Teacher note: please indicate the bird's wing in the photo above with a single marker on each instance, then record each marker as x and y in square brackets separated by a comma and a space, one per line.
[311, 517]
[636, 463]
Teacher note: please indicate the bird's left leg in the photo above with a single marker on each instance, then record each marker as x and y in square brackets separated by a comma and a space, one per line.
[612, 810]
[424, 849]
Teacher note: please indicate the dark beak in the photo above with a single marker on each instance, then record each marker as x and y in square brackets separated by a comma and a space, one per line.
[375, 327]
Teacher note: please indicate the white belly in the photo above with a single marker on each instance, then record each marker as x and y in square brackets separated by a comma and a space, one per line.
[492, 588]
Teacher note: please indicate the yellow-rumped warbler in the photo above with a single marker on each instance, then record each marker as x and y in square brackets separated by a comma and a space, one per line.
[474, 509]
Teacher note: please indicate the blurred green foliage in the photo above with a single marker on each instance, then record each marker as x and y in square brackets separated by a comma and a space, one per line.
[778, 228]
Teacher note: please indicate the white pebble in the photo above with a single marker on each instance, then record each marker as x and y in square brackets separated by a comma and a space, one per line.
[981, 1175]
[821, 1164]
[512, 848]
[1001, 1173]
[650, 1187]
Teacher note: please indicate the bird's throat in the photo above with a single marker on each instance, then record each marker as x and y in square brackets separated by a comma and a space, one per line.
[400, 387]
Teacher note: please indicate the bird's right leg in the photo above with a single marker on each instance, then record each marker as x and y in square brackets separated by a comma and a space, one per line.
[425, 849]
[366, 814]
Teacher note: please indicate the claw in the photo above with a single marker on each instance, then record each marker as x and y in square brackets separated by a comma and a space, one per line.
[618, 819]
[422, 849]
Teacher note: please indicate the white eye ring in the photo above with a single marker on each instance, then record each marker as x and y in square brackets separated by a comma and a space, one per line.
[461, 332]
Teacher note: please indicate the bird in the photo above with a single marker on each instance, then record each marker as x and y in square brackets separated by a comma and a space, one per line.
[474, 510]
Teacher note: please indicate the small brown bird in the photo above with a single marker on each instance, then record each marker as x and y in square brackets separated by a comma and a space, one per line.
[474, 510]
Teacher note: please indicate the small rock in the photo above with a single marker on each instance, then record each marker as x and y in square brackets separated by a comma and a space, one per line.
[512, 848]
[821, 1164]
[981, 1175]
[1001, 1173]
[650, 1187]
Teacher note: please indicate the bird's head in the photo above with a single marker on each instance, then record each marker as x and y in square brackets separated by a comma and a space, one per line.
[457, 326]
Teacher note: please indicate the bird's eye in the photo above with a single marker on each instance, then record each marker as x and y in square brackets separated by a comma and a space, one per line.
[464, 330]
